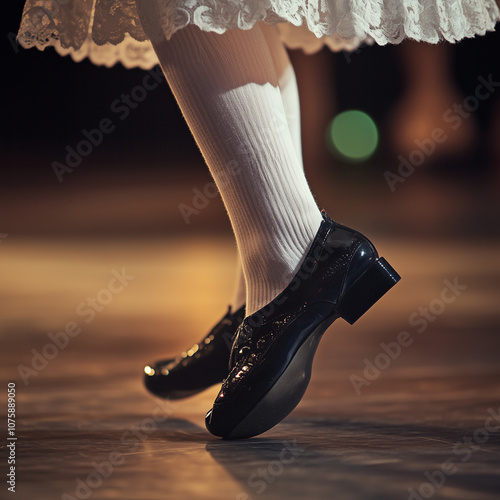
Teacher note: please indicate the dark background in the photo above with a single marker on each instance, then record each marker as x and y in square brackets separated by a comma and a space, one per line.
[49, 99]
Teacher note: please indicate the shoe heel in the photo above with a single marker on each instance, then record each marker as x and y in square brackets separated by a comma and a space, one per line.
[377, 280]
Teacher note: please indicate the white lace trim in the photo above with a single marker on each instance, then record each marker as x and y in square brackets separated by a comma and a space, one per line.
[110, 31]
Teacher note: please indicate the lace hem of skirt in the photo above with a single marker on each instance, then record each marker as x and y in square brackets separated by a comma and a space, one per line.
[110, 31]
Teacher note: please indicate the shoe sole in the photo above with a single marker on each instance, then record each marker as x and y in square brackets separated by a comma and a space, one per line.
[288, 390]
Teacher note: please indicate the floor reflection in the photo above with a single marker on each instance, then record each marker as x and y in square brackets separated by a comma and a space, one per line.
[87, 429]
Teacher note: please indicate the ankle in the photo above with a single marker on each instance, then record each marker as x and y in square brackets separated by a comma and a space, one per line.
[267, 278]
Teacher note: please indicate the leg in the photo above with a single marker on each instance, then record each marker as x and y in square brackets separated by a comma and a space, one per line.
[287, 84]
[430, 92]
[290, 97]
[239, 292]
[227, 87]
[228, 90]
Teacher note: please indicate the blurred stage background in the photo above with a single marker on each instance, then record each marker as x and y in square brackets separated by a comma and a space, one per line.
[121, 207]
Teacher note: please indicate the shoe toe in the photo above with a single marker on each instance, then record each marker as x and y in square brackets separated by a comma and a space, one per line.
[217, 424]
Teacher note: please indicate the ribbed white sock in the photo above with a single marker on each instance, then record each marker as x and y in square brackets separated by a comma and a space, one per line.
[240, 289]
[227, 88]
[287, 84]
[290, 96]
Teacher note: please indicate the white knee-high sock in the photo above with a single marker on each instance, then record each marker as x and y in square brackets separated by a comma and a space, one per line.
[227, 88]
[290, 96]
[287, 84]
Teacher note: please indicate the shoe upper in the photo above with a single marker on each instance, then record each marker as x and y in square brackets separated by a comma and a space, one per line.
[336, 258]
[203, 365]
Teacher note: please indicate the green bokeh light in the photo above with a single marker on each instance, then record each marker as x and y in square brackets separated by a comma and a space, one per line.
[354, 135]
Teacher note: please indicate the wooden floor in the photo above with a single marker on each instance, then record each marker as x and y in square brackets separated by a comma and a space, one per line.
[422, 421]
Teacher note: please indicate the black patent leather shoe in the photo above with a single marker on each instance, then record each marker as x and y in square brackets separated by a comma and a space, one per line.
[202, 366]
[271, 358]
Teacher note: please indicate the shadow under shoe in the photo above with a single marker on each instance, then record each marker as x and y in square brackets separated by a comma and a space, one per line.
[205, 364]
[271, 359]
